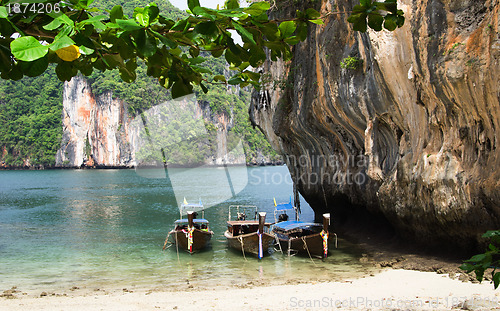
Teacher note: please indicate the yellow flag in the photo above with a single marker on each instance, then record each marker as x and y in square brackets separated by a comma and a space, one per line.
[275, 202]
[69, 53]
[185, 202]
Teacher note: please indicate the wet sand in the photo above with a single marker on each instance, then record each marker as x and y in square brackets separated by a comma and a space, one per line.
[391, 289]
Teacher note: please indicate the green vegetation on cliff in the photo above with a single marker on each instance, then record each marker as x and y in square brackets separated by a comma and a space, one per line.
[30, 120]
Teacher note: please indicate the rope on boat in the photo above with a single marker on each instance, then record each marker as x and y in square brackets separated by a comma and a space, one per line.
[307, 248]
[166, 241]
[278, 242]
[177, 247]
[289, 246]
[242, 249]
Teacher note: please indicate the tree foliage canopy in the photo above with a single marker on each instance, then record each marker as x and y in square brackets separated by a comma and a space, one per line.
[80, 38]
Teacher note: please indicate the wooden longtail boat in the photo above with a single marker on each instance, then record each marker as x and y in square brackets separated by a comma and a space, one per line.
[249, 236]
[190, 234]
[300, 237]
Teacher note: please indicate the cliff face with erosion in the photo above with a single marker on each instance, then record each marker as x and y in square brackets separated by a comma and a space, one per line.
[95, 130]
[410, 133]
[99, 132]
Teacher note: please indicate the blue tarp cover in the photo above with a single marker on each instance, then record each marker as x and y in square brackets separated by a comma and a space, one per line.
[284, 206]
[293, 224]
[196, 221]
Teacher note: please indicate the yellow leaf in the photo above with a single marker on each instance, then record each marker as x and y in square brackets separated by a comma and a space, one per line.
[69, 53]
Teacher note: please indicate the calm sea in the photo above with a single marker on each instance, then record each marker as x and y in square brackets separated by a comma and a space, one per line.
[106, 228]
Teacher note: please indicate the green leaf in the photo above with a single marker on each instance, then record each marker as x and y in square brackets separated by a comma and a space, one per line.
[192, 4]
[232, 4]
[3, 12]
[204, 12]
[317, 21]
[257, 8]
[375, 21]
[477, 258]
[496, 280]
[245, 34]
[235, 80]
[467, 267]
[302, 31]
[207, 28]
[180, 89]
[128, 24]
[286, 29]
[196, 60]
[116, 13]
[312, 14]
[180, 25]
[220, 78]
[35, 68]
[65, 71]
[491, 233]
[85, 50]
[28, 49]
[166, 41]
[366, 3]
[253, 75]
[232, 58]
[62, 19]
[231, 13]
[358, 22]
[146, 45]
[61, 43]
[292, 40]
[390, 22]
[153, 12]
[204, 88]
[271, 31]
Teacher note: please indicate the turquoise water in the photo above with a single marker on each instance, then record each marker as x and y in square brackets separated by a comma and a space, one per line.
[106, 228]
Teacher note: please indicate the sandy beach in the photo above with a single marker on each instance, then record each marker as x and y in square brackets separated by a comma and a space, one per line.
[391, 289]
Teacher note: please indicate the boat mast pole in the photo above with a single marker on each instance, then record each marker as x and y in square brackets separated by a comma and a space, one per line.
[296, 197]
[326, 221]
[324, 233]
[190, 219]
[262, 220]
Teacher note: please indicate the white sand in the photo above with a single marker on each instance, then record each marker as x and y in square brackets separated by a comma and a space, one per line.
[388, 290]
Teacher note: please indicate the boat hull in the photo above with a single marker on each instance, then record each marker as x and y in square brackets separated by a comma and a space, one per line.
[306, 245]
[249, 243]
[200, 239]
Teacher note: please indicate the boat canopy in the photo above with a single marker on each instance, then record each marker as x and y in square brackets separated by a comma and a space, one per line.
[196, 221]
[194, 207]
[284, 206]
[293, 224]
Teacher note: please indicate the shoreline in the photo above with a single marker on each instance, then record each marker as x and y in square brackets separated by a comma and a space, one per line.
[111, 167]
[388, 289]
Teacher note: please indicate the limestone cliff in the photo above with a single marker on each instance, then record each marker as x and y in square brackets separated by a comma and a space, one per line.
[99, 132]
[410, 133]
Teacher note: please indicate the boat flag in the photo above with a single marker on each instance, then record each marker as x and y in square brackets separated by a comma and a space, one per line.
[185, 202]
[275, 202]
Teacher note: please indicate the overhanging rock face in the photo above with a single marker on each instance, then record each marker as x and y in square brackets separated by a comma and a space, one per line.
[410, 133]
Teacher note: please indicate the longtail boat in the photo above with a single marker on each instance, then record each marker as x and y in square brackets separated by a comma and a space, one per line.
[298, 237]
[190, 234]
[248, 236]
